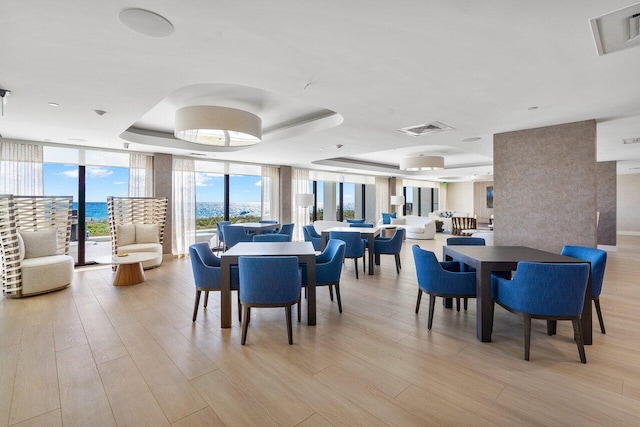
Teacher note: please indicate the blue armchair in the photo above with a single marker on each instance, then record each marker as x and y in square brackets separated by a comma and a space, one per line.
[271, 237]
[465, 241]
[544, 291]
[269, 221]
[598, 260]
[390, 246]
[220, 225]
[206, 275]
[311, 235]
[287, 230]
[328, 270]
[354, 246]
[440, 279]
[234, 234]
[268, 282]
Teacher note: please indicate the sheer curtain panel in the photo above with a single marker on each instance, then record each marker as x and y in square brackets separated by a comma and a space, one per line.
[21, 169]
[184, 206]
[140, 175]
[270, 192]
[300, 215]
[382, 197]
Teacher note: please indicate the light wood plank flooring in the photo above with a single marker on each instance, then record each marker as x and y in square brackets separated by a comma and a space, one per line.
[95, 354]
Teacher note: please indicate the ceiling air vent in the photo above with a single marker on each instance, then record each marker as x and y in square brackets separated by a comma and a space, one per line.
[425, 129]
[617, 30]
[631, 141]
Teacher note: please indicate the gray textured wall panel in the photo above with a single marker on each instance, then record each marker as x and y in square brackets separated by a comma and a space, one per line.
[607, 206]
[545, 186]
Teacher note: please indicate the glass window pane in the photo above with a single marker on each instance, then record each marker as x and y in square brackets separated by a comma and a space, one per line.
[245, 195]
[209, 199]
[60, 155]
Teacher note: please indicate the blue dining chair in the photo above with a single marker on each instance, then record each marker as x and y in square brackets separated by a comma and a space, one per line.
[598, 260]
[544, 291]
[234, 234]
[268, 282]
[206, 275]
[465, 241]
[389, 246]
[440, 279]
[311, 235]
[220, 225]
[287, 229]
[354, 246]
[269, 221]
[328, 270]
[273, 237]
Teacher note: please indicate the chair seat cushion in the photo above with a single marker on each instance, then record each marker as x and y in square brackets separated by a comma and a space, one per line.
[144, 247]
[46, 273]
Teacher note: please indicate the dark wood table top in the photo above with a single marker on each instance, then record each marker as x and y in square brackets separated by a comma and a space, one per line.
[270, 249]
[505, 254]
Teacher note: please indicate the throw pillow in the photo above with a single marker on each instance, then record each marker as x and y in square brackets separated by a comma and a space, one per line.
[126, 234]
[40, 243]
[398, 221]
[386, 217]
[21, 251]
[147, 233]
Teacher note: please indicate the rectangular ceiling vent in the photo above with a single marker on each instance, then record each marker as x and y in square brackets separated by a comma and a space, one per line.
[425, 129]
[631, 141]
[617, 30]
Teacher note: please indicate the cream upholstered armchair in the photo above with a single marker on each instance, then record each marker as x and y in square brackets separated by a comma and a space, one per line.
[137, 225]
[34, 244]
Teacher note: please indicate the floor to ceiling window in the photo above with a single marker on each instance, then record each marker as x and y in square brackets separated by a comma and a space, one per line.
[245, 196]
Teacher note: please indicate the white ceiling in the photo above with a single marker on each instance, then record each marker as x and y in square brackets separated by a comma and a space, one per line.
[320, 75]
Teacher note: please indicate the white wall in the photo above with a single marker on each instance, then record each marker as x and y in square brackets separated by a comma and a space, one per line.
[628, 217]
[460, 197]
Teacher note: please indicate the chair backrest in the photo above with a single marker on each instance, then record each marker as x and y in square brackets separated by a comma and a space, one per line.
[355, 220]
[459, 223]
[269, 280]
[268, 221]
[271, 237]
[205, 265]
[329, 262]
[433, 278]
[287, 229]
[310, 230]
[466, 241]
[136, 210]
[354, 244]
[548, 289]
[234, 234]
[393, 245]
[598, 260]
[360, 225]
[30, 213]
[220, 225]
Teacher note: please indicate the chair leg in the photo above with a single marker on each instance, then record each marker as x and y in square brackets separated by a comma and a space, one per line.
[337, 285]
[239, 307]
[492, 308]
[245, 324]
[466, 303]
[527, 336]
[458, 305]
[355, 263]
[287, 311]
[596, 302]
[331, 292]
[432, 306]
[398, 266]
[577, 332]
[195, 306]
[299, 308]
[206, 298]
[419, 298]
[364, 264]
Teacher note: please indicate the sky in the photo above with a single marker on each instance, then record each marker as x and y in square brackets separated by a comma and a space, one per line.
[102, 181]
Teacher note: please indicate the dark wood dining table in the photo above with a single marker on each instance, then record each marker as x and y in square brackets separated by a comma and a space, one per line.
[303, 250]
[488, 259]
[369, 233]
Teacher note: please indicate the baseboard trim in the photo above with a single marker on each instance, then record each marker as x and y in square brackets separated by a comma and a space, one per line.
[629, 233]
[608, 248]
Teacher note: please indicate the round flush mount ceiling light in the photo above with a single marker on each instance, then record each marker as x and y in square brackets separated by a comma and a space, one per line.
[218, 126]
[146, 22]
[422, 163]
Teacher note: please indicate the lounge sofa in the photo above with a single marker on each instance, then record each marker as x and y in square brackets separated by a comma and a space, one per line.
[445, 217]
[322, 225]
[416, 227]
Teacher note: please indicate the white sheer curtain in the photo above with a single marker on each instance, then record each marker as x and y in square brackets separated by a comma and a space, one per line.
[140, 175]
[184, 206]
[300, 215]
[382, 196]
[398, 193]
[21, 169]
[270, 192]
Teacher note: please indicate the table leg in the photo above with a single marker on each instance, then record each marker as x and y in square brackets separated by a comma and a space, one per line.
[129, 274]
[371, 246]
[586, 318]
[225, 292]
[311, 292]
[483, 304]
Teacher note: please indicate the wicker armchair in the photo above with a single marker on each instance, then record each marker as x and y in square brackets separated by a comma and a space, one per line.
[34, 244]
[137, 225]
[459, 223]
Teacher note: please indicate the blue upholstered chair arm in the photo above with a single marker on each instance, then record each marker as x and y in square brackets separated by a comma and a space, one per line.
[206, 268]
[598, 260]
[390, 246]
[432, 276]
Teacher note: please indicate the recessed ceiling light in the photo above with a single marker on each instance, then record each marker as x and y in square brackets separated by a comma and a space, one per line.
[472, 139]
[54, 104]
[532, 108]
[146, 22]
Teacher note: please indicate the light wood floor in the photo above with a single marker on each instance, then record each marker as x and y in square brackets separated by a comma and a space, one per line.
[97, 355]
